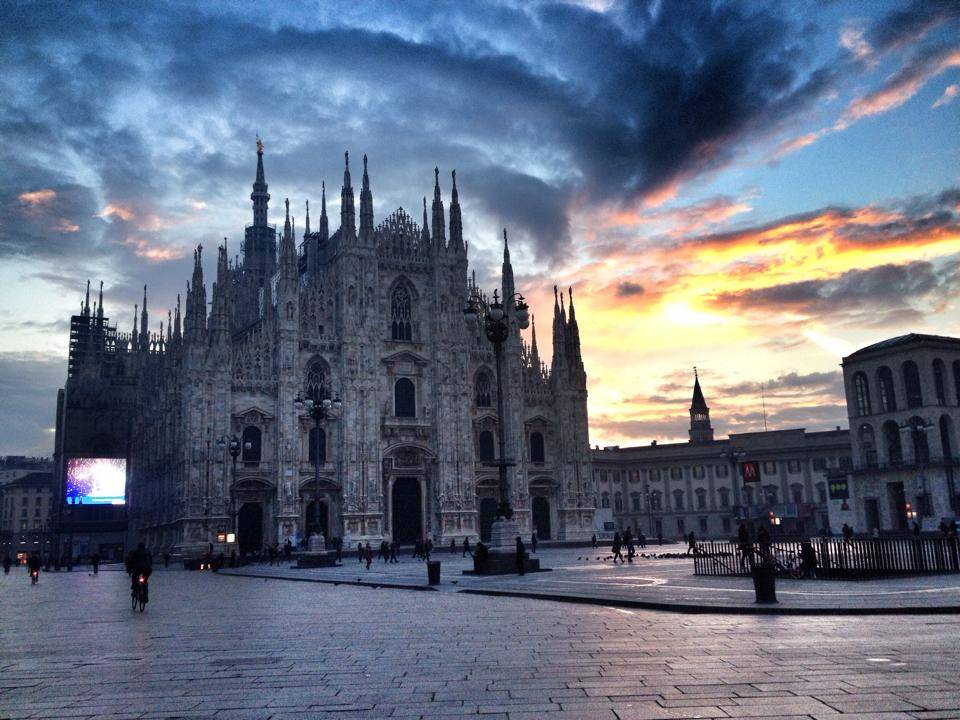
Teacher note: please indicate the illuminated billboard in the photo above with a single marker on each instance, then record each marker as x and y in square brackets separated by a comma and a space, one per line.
[96, 481]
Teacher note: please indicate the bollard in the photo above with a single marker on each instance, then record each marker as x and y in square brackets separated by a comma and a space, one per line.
[764, 582]
[433, 572]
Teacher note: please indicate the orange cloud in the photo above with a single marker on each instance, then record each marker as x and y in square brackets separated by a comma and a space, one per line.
[154, 253]
[65, 226]
[36, 197]
[117, 210]
[949, 93]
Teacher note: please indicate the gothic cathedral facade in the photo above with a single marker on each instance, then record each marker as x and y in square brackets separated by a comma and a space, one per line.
[371, 315]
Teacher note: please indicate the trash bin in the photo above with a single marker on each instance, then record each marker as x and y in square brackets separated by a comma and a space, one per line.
[433, 572]
[765, 582]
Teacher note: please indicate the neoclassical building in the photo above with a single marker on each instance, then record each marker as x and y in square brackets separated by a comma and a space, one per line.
[670, 489]
[370, 313]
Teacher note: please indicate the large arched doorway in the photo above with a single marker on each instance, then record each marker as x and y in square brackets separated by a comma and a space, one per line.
[541, 517]
[407, 516]
[311, 519]
[488, 513]
[250, 528]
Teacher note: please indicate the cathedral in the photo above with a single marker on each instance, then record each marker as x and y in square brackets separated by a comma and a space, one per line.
[371, 315]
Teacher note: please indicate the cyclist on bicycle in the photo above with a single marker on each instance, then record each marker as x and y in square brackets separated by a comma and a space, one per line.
[139, 563]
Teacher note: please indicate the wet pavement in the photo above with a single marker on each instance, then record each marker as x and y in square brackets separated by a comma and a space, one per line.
[217, 646]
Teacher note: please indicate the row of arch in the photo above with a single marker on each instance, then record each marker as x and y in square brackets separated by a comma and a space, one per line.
[892, 443]
[913, 388]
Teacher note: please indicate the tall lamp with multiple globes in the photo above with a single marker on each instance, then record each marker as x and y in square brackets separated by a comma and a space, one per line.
[496, 321]
[320, 407]
[917, 428]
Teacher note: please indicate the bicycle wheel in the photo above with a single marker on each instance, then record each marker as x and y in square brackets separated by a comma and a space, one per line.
[134, 598]
[143, 603]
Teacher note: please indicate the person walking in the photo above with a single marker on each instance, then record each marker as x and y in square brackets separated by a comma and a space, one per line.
[427, 549]
[394, 547]
[453, 546]
[166, 559]
[691, 544]
[617, 546]
[95, 562]
[521, 554]
[743, 540]
[593, 541]
[466, 547]
[360, 552]
[369, 555]
[643, 540]
[533, 542]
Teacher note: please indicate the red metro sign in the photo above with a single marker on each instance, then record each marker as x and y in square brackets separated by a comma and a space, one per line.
[750, 471]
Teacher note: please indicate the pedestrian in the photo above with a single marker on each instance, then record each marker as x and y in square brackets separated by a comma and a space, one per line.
[643, 541]
[95, 562]
[7, 562]
[691, 544]
[287, 548]
[394, 548]
[369, 555]
[847, 532]
[659, 537]
[521, 555]
[271, 553]
[233, 558]
[593, 541]
[808, 559]
[466, 547]
[417, 549]
[915, 529]
[533, 542]
[453, 546]
[617, 547]
[743, 539]
[338, 546]
[360, 552]
[166, 559]
[383, 552]
[631, 550]
[428, 548]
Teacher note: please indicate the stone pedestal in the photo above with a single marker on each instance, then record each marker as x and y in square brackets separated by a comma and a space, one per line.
[315, 559]
[501, 556]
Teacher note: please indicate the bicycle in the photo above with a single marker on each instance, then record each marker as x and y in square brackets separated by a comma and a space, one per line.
[138, 594]
[790, 565]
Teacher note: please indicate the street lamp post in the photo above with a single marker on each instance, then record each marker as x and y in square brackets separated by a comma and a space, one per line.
[496, 324]
[234, 446]
[321, 407]
[918, 428]
[733, 456]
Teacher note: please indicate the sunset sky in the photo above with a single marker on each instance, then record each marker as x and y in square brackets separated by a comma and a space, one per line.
[754, 189]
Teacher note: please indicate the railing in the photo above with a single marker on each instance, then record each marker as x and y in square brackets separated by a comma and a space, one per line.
[835, 558]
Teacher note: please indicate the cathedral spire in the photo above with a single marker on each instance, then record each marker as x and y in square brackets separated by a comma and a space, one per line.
[348, 223]
[260, 196]
[286, 223]
[366, 207]
[195, 327]
[558, 363]
[306, 229]
[134, 335]
[456, 222]
[220, 308]
[86, 303]
[507, 272]
[439, 234]
[534, 352]
[324, 224]
[177, 333]
[701, 431]
[100, 303]
[144, 335]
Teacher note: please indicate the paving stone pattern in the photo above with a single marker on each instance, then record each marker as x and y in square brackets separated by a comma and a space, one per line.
[214, 646]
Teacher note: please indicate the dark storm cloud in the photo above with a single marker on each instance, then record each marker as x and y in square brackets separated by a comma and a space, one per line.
[882, 295]
[907, 23]
[614, 106]
[792, 383]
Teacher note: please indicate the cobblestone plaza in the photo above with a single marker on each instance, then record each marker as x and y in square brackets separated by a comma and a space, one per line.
[219, 646]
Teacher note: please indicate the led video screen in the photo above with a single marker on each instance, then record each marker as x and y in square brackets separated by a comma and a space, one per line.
[96, 481]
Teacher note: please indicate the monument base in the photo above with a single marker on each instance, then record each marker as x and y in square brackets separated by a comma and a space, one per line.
[315, 559]
[501, 557]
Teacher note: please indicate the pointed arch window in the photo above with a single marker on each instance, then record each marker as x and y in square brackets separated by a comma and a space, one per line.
[316, 385]
[401, 314]
[482, 390]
